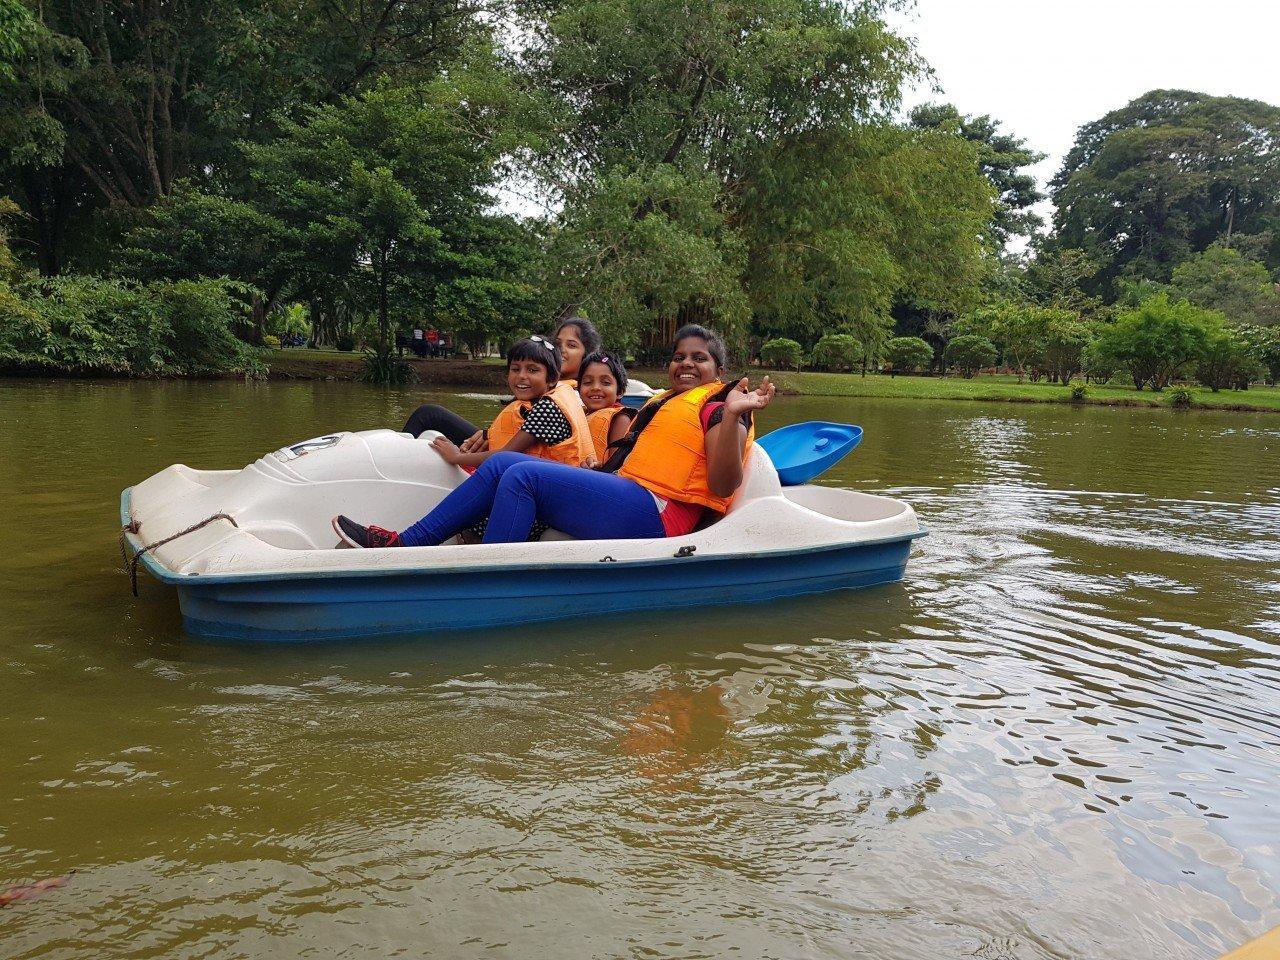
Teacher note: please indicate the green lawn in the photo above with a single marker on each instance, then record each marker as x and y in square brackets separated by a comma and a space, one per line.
[319, 363]
[1008, 388]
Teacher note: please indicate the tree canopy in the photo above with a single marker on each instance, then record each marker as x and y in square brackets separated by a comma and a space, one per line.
[746, 166]
[1165, 177]
[741, 161]
[1002, 158]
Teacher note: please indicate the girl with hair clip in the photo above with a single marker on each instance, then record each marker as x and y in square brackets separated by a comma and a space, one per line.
[574, 337]
[601, 382]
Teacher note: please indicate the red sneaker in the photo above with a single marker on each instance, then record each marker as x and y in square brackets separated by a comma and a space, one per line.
[360, 536]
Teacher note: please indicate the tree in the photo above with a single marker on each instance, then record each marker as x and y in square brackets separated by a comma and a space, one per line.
[1056, 277]
[908, 353]
[192, 234]
[1065, 337]
[1228, 359]
[107, 106]
[841, 229]
[969, 354]
[736, 160]
[381, 197]
[1166, 176]
[1002, 158]
[1158, 339]
[1019, 331]
[781, 353]
[1265, 345]
[1222, 279]
[837, 351]
[1098, 361]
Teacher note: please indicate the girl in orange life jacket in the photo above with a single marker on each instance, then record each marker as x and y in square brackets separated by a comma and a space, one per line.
[661, 458]
[575, 336]
[545, 419]
[601, 381]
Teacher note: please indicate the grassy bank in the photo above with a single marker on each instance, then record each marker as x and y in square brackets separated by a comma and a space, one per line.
[999, 388]
[336, 365]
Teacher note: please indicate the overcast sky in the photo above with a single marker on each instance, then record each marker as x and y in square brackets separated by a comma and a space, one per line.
[1045, 67]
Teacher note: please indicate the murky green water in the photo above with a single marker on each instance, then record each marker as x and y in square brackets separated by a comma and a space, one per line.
[1060, 737]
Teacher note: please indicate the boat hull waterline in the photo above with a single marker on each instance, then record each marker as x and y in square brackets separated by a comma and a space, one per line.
[276, 577]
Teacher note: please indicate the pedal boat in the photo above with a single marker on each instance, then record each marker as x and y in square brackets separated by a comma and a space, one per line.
[266, 567]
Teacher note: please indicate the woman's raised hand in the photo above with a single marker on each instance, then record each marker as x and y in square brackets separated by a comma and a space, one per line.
[476, 443]
[447, 449]
[742, 398]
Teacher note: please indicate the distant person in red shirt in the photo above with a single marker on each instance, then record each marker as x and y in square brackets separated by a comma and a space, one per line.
[433, 341]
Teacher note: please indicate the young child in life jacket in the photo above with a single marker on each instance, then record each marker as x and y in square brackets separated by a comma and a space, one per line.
[575, 337]
[546, 419]
[601, 382]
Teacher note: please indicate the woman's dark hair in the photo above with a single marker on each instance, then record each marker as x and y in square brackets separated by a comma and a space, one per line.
[587, 332]
[715, 343]
[541, 350]
[610, 360]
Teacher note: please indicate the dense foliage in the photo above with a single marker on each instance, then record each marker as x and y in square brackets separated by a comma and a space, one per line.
[839, 352]
[179, 180]
[1167, 176]
[908, 353]
[782, 353]
[87, 325]
[969, 353]
[1001, 158]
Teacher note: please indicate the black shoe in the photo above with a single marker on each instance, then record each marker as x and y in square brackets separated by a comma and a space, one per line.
[360, 536]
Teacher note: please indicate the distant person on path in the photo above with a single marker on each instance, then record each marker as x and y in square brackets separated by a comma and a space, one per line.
[433, 342]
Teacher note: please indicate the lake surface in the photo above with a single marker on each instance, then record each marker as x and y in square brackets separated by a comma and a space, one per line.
[1058, 738]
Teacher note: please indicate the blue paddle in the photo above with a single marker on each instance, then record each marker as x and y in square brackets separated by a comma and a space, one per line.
[801, 451]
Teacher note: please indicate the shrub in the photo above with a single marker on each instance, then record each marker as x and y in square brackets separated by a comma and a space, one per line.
[269, 341]
[908, 353]
[1229, 360]
[1158, 339]
[79, 324]
[1098, 362]
[1180, 398]
[781, 354]
[1079, 393]
[837, 351]
[382, 366]
[345, 342]
[969, 354]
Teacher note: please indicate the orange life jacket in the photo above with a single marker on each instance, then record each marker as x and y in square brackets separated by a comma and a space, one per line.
[572, 451]
[600, 423]
[670, 453]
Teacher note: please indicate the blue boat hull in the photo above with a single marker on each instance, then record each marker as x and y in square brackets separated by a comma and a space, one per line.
[320, 608]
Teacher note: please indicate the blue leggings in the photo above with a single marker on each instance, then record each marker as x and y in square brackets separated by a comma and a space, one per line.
[513, 490]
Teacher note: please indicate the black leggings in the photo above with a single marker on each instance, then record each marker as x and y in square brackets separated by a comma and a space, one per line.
[432, 416]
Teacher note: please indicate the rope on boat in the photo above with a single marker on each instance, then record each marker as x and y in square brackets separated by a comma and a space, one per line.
[131, 562]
